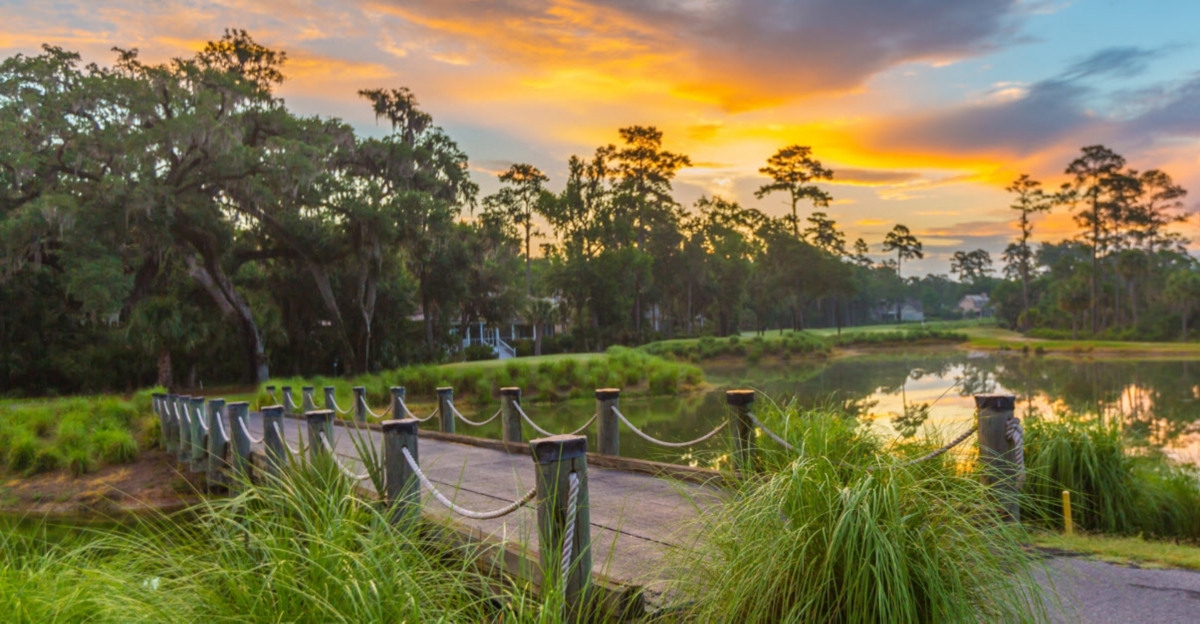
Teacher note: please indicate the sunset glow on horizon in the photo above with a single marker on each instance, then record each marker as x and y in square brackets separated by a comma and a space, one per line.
[925, 110]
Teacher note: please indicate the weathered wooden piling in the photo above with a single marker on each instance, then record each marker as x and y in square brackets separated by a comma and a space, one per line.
[402, 489]
[157, 403]
[996, 453]
[182, 405]
[446, 409]
[741, 428]
[272, 419]
[608, 438]
[239, 414]
[172, 423]
[218, 442]
[398, 398]
[320, 422]
[360, 404]
[198, 457]
[510, 418]
[557, 458]
[330, 398]
[307, 404]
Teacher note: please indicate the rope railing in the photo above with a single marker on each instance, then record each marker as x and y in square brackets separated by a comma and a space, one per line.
[414, 416]
[372, 413]
[547, 433]
[471, 422]
[203, 425]
[341, 467]
[1016, 437]
[289, 447]
[647, 437]
[245, 428]
[926, 457]
[569, 534]
[462, 511]
[334, 405]
[221, 426]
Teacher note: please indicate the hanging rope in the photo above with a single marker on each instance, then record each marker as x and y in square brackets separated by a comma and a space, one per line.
[279, 432]
[247, 431]
[221, 427]
[653, 440]
[203, 425]
[334, 405]
[547, 433]
[1016, 438]
[342, 467]
[569, 533]
[471, 422]
[939, 451]
[372, 412]
[414, 416]
[476, 515]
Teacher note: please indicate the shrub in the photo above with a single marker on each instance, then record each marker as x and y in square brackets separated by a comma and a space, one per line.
[46, 459]
[22, 452]
[115, 446]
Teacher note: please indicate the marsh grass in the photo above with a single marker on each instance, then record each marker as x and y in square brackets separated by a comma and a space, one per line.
[817, 540]
[299, 547]
[637, 372]
[78, 434]
[1116, 486]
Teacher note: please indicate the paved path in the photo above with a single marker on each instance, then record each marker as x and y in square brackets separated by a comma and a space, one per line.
[635, 518]
[1099, 593]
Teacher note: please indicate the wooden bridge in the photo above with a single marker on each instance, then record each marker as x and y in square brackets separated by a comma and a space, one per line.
[631, 513]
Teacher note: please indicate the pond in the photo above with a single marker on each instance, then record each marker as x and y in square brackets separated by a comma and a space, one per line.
[903, 393]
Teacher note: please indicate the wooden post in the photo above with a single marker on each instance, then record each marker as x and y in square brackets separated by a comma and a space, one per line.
[1068, 521]
[402, 489]
[271, 393]
[157, 404]
[272, 419]
[996, 456]
[398, 398]
[307, 404]
[289, 404]
[217, 442]
[360, 404]
[557, 457]
[319, 422]
[510, 418]
[741, 428]
[182, 409]
[239, 414]
[170, 435]
[609, 437]
[330, 398]
[197, 460]
[446, 409]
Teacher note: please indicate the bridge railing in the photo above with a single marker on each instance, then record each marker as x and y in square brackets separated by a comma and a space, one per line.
[216, 439]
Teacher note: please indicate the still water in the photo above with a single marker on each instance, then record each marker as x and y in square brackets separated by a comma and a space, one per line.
[906, 393]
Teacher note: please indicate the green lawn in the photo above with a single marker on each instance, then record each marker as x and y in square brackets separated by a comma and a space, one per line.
[1124, 550]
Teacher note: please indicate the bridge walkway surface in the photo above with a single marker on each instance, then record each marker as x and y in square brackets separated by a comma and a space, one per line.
[635, 518]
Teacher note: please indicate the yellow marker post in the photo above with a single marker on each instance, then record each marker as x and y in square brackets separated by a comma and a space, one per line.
[1068, 524]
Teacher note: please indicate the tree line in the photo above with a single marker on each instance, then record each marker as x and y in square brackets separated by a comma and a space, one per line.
[177, 223]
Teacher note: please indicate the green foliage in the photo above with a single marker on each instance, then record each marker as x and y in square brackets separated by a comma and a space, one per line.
[77, 433]
[920, 335]
[1115, 487]
[816, 541]
[631, 369]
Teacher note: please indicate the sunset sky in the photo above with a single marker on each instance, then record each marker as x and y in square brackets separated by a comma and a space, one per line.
[925, 109]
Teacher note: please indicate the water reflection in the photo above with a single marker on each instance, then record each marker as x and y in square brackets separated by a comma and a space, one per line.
[903, 393]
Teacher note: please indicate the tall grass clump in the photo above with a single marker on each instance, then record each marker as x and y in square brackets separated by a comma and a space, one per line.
[79, 433]
[301, 547]
[1116, 486]
[813, 544]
